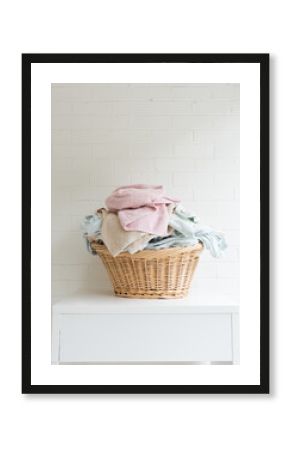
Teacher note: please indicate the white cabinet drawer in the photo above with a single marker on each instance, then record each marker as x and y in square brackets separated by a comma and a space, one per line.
[145, 337]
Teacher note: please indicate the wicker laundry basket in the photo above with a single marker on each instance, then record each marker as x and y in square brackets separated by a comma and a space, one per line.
[165, 273]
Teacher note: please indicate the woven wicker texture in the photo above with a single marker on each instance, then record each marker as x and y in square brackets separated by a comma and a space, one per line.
[165, 273]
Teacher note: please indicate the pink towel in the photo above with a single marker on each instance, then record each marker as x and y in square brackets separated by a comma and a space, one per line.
[141, 207]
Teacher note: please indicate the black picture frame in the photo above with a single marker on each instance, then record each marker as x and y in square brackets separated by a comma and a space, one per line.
[27, 61]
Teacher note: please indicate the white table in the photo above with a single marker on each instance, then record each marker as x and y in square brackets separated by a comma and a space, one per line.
[98, 328]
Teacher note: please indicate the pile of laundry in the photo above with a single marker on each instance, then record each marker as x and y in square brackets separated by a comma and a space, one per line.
[139, 217]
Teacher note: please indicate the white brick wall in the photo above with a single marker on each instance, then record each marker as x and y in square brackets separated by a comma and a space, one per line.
[183, 136]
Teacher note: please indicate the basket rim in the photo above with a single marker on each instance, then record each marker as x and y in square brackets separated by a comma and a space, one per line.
[101, 248]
